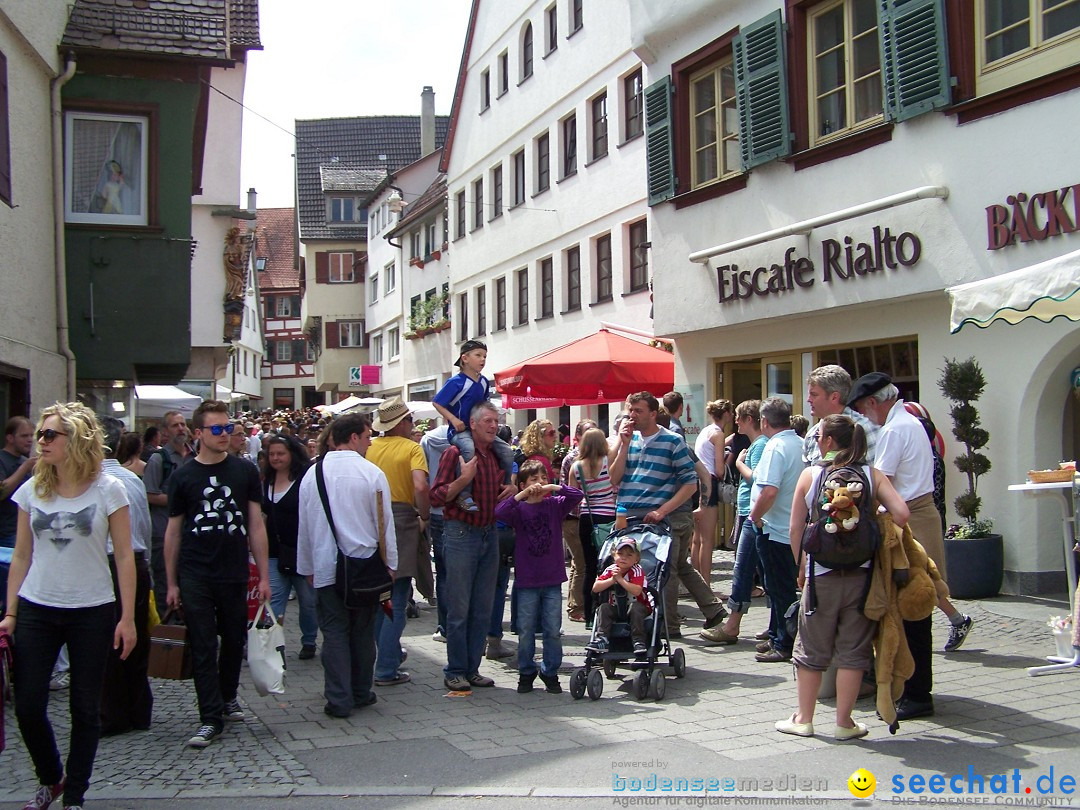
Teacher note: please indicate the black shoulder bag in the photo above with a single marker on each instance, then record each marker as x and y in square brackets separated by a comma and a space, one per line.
[360, 581]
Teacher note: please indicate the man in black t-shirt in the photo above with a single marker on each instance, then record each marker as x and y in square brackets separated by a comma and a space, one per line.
[215, 517]
[15, 467]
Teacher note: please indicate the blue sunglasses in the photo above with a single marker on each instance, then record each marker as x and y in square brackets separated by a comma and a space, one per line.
[217, 430]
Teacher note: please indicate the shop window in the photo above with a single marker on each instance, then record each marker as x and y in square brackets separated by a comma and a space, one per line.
[284, 398]
[106, 168]
[1019, 40]
[898, 359]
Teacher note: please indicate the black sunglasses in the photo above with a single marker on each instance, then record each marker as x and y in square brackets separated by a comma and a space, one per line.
[49, 434]
[217, 430]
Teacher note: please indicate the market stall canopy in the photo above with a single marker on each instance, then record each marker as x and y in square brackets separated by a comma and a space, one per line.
[352, 403]
[154, 401]
[604, 367]
[1044, 291]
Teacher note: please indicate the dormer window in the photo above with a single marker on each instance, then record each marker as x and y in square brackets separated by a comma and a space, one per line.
[341, 210]
[260, 263]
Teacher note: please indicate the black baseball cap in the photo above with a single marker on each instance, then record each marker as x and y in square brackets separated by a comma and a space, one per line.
[866, 385]
[468, 346]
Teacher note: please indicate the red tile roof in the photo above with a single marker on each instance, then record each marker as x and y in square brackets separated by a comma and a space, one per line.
[276, 242]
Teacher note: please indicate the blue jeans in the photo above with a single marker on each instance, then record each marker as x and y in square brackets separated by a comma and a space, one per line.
[540, 607]
[435, 532]
[280, 586]
[6, 542]
[471, 554]
[388, 631]
[746, 563]
[778, 565]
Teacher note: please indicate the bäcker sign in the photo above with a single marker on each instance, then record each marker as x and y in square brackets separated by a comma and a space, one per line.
[842, 259]
[1032, 218]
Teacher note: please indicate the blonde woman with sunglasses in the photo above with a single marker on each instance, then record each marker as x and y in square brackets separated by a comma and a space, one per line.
[60, 591]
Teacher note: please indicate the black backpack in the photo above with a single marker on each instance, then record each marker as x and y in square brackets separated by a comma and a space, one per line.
[841, 544]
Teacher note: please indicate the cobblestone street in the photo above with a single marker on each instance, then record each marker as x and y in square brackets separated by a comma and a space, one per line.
[717, 721]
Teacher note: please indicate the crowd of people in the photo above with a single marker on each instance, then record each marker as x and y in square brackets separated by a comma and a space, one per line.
[101, 524]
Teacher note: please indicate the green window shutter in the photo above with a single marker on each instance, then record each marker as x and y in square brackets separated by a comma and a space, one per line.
[913, 57]
[761, 91]
[659, 141]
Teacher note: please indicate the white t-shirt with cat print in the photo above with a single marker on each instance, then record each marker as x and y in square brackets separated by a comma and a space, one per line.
[70, 565]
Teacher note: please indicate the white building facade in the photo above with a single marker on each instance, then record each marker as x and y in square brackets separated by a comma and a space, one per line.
[545, 172]
[821, 174]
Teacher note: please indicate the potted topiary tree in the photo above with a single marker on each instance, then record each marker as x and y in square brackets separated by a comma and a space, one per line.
[974, 555]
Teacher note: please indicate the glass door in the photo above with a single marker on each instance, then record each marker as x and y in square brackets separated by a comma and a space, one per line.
[780, 378]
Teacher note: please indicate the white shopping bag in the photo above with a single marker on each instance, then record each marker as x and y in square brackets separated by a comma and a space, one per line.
[266, 653]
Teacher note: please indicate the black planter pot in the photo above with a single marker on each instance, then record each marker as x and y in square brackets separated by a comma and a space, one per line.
[976, 566]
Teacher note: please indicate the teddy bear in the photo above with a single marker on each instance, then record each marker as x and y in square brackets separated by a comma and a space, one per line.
[840, 505]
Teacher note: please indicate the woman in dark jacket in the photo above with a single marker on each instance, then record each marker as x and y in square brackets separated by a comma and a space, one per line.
[288, 461]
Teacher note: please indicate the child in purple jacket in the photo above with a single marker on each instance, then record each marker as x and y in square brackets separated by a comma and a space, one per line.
[536, 514]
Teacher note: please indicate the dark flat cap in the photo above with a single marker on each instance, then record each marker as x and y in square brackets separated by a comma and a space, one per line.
[866, 385]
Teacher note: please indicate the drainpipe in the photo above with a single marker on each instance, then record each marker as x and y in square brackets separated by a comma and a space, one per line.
[59, 252]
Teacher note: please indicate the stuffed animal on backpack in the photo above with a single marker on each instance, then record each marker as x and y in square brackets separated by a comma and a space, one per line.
[840, 506]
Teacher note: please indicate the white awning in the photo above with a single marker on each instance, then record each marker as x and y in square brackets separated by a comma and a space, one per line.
[1044, 291]
[154, 401]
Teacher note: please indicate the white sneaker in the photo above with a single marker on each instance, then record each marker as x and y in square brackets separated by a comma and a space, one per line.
[438, 636]
[60, 680]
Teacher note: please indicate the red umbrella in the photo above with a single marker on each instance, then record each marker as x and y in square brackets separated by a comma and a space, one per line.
[604, 367]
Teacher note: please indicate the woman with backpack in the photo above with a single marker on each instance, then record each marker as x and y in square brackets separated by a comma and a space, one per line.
[832, 627]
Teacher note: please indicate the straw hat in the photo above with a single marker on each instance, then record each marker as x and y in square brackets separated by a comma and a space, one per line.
[389, 413]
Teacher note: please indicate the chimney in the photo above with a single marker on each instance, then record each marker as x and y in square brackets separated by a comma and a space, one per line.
[427, 121]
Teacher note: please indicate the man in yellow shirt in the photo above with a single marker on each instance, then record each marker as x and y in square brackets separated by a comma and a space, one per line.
[403, 463]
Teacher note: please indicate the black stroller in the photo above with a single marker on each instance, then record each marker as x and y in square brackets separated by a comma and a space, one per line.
[654, 543]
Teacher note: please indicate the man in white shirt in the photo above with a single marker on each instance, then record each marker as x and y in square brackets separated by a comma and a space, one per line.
[353, 485]
[904, 455]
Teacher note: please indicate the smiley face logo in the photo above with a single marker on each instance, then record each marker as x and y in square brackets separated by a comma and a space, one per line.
[861, 783]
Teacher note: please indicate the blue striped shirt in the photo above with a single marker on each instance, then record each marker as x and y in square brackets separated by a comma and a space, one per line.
[656, 468]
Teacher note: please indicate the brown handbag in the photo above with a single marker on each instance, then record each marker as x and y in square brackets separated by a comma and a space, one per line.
[170, 651]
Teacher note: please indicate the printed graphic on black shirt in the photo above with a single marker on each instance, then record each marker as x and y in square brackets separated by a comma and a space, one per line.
[219, 511]
[62, 527]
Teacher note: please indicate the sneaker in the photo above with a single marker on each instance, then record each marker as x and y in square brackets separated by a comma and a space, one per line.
[411, 610]
[307, 652]
[60, 680]
[551, 683]
[233, 710]
[598, 644]
[525, 683]
[202, 738]
[481, 681]
[46, 795]
[495, 649]
[404, 655]
[459, 683]
[958, 633]
[467, 504]
[640, 648]
[438, 636]
[399, 678]
[763, 646]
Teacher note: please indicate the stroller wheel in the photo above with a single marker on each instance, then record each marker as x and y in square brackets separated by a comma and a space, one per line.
[657, 685]
[595, 684]
[577, 683]
[641, 684]
[678, 663]
[610, 668]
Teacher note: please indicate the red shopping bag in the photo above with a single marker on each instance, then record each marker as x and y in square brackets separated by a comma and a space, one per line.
[253, 600]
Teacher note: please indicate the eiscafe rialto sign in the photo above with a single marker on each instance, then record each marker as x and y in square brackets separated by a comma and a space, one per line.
[841, 259]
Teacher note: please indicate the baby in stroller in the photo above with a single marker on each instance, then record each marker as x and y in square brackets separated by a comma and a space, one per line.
[625, 574]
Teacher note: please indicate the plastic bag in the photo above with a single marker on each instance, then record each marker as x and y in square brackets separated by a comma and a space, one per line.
[266, 652]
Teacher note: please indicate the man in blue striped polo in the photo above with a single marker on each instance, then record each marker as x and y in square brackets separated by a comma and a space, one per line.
[656, 479]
